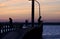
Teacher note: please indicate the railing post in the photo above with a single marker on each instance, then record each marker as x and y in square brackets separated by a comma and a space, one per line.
[0, 31]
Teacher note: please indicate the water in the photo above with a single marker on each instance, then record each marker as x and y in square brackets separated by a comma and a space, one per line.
[51, 32]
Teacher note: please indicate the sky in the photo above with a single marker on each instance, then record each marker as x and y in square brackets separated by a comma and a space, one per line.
[20, 10]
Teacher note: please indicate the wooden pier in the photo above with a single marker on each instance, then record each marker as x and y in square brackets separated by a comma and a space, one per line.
[15, 31]
[6, 32]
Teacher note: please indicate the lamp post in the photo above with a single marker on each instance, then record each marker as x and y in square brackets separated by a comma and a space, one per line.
[32, 18]
[32, 13]
[39, 8]
[38, 5]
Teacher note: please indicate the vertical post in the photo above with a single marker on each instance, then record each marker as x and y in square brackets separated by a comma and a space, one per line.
[0, 31]
[32, 13]
[39, 11]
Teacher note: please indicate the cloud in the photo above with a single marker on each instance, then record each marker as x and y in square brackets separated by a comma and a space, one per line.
[52, 0]
[11, 3]
[3, 1]
[48, 0]
[2, 5]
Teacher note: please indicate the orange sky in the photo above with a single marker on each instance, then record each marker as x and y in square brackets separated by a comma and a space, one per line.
[21, 10]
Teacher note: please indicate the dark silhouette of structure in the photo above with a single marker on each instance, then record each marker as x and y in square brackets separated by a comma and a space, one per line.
[0, 30]
[27, 33]
[21, 26]
[1, 26]
[39, 29]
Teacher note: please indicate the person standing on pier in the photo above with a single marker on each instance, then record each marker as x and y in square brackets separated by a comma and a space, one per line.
[39, 21]
[10, 22]
[40, 25]
[26, 23]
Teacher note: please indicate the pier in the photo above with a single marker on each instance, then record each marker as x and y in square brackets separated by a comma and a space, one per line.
[17, 31]
[6, 31]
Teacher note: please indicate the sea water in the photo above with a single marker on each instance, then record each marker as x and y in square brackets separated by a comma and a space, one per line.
[51, 32]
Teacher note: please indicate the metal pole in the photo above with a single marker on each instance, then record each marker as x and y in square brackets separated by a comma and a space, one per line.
[32, 13]
[39, 8]
[39, 11]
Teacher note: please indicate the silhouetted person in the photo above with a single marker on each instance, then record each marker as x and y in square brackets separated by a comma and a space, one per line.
[39, 20]
[11, 22]
[40, 25]
[26, 22]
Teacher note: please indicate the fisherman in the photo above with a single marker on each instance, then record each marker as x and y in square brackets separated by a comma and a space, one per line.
[10, 22]
[40, 25]
[26, 22]
[39, 21]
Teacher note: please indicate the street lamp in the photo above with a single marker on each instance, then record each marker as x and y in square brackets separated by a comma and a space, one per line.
[32, 18]
[39, 6]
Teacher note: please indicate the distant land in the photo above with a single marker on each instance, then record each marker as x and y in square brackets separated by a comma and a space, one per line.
[45, 23]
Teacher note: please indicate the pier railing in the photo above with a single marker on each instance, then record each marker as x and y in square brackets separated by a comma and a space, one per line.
[6, 27]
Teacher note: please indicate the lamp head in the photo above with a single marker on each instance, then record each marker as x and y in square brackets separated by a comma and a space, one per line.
[31, 0]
